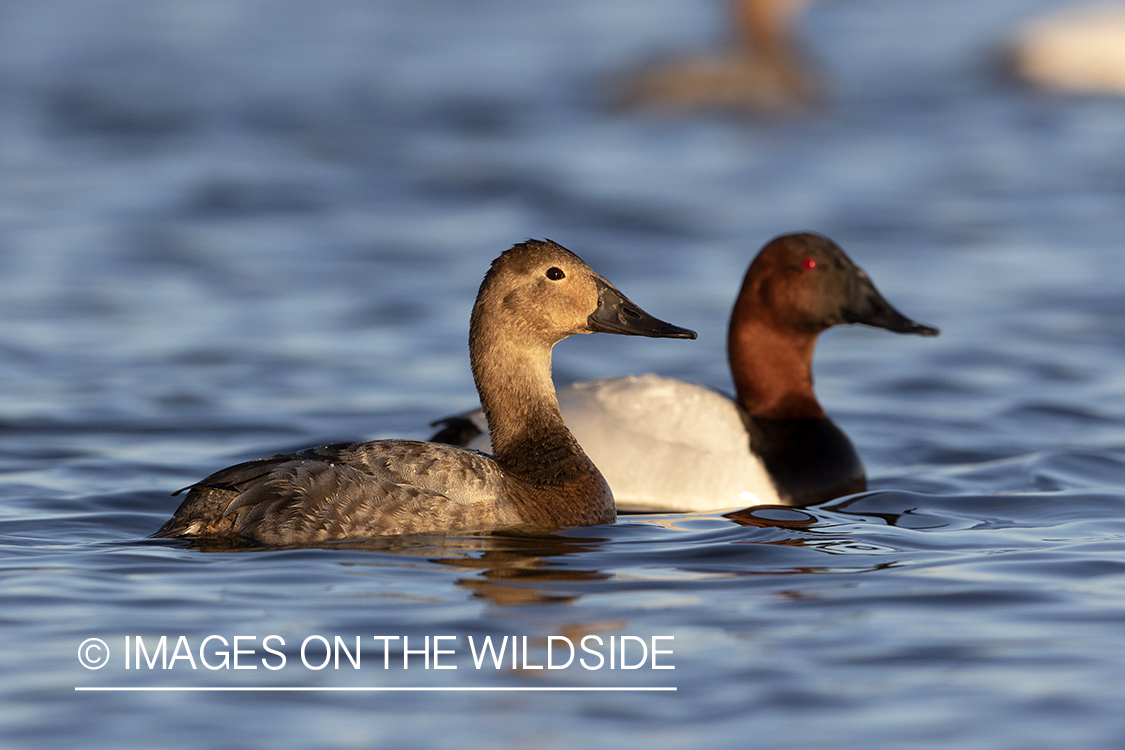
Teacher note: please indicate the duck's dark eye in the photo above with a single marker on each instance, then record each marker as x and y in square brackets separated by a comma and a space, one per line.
[555, 274]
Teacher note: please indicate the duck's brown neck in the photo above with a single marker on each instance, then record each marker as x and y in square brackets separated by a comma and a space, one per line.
[519, 401]
[550, 477]
[765, 34]
[772, 366]
[513, 378]
[763, 26]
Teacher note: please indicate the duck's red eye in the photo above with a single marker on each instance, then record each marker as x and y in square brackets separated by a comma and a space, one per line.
[554, 274]
[809, 264]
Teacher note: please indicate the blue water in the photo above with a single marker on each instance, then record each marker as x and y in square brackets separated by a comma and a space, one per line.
[229, 229]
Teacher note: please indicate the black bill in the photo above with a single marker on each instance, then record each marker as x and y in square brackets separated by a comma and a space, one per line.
[866, 305]
[616, 313]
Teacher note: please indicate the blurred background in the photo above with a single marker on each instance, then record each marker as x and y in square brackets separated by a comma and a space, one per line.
[276, 197]
[233, 228]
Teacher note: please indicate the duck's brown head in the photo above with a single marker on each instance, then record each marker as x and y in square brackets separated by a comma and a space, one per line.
[806, 283]
[543, 292]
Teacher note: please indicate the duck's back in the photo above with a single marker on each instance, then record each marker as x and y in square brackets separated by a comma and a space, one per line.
[347, 491]
[664, 444]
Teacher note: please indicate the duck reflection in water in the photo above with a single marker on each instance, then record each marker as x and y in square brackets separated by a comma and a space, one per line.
[512, 568]
[505, 567]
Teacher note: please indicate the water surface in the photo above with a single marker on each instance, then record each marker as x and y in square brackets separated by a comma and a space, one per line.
[233, 229]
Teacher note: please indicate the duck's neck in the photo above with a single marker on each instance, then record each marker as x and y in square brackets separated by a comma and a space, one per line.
[547, 472]
[809, 459]
[772, 367]
[764, 31]
[518, 397]
[764, 25]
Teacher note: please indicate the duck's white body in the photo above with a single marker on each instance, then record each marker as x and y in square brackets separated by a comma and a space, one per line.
[1075, 49]
[663, 444]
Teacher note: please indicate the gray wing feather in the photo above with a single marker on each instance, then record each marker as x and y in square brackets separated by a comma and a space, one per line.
[350, 490]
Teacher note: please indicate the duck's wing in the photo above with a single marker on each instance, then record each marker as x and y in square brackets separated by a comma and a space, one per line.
[347, 491]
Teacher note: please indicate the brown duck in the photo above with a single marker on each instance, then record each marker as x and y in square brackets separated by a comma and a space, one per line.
[534, 296]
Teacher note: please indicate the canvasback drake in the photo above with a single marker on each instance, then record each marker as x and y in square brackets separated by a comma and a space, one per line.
[763, 72]
[533, 296]
[670, 445]
[1074, 49]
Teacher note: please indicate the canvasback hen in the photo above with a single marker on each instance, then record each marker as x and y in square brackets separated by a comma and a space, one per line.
[763, 71]
[534, 295]
[671, 445]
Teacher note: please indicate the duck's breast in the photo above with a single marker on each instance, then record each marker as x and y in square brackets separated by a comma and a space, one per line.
[666, 445]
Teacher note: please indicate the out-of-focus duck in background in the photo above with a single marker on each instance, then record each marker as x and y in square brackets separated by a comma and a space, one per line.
[1074, 49]
[671, 445]
[762, 72]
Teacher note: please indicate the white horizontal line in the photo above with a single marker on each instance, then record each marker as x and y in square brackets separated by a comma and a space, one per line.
[369, 689]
